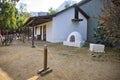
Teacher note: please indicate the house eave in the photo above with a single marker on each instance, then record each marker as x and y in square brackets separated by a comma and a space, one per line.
[33, 21]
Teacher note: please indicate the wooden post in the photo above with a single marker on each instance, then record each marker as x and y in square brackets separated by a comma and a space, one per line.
[45, 69]
[28, 33]
[33, 45]
[23, 35]
[45, 57]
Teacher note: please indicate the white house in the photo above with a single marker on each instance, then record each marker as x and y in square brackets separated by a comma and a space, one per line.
[57, 27]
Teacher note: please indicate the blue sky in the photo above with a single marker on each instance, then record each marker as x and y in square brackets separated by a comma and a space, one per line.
[42, 5]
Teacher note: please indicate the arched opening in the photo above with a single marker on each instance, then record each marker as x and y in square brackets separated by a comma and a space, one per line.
[72, 38]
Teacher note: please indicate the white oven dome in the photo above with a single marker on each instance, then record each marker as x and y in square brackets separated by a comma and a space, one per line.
[77, 37]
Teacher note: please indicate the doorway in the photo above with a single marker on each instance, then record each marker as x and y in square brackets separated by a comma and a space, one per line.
[44, 33]
[40, 32]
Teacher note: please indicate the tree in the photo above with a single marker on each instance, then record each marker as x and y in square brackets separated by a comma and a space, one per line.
[22, 7]
[23, 16]
[2, 1]
[8, 15]
[110, 21]
[52, 11]
[8, 18]
[116, 2]
[100, 34]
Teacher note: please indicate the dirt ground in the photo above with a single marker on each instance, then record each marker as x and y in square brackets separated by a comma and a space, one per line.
[21, 62]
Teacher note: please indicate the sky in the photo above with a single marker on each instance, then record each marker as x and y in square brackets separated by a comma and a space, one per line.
[42, 5]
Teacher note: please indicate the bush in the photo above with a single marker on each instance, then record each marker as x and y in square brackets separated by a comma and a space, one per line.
[100, 34]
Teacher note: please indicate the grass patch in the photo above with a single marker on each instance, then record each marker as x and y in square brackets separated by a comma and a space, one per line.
[112, 50]
[106, 57]
[62, 50]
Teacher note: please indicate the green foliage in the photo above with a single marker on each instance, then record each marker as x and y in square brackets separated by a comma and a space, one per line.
[52, 11]
[21, 20]
[9, 0]
[110, 21]
[23, 16]
[100, 34]
[8, 16]
[15, 0]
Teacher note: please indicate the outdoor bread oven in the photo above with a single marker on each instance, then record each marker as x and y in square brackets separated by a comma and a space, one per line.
[74, 39]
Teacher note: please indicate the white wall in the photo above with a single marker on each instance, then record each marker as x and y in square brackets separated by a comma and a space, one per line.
[63, 26]
[59, 29]
[36, 32]
[49, 35]
[48, 31]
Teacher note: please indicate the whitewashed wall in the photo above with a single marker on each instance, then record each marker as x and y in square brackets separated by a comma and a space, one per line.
[63, 26]
[49, 34]
[48, 31]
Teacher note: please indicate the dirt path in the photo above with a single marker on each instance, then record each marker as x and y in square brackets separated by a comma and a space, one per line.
[21, 62]
[4, 75]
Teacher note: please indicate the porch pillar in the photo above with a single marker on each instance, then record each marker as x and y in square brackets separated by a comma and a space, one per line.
[33, 45]
[28, 33]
